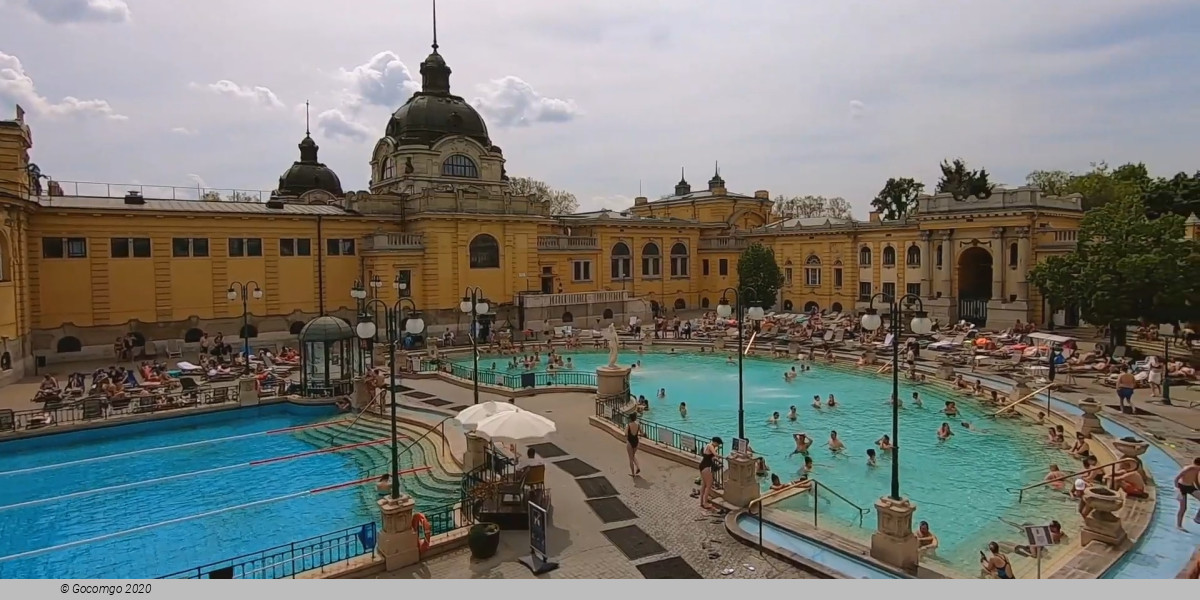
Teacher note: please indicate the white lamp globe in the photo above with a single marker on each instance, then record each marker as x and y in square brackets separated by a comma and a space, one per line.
[365, 330]
[871, 320]
[921, 325]
[415, 325]
[465, 305]
[482, 307]
[755, 313]
[724, 309]
[257, 293]
[232, 295]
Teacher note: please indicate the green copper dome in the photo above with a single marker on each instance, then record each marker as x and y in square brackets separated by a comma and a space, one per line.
[434, 113]
[308, 174]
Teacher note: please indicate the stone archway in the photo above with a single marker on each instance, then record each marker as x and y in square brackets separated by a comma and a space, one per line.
[975, 266]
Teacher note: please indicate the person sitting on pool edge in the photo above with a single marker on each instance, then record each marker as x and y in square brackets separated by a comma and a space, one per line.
[926, 540]
[1128, 478]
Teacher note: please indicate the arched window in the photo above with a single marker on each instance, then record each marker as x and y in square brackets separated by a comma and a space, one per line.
[889, 256]
[460, 165]
[389, 169]
[249, 331]
[864, 256]
[938, 261]
[485, 252]
[679, 260]
[811, 307]
[608, 313]
[651, 260]
[622, 261]
[5, 254]
[787, 305]
[704, 302]
[296, 327]
[139, 340]
[68, 344]
[680, 304]
[567, 317]
[913, 258]
[193, 335]
[812, 271]
[1014, 255]
[836, 307]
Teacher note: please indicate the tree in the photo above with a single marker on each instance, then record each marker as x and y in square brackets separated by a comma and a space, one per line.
[759, 276]
[1051, 183]
[1179, 195]
[234, 196]
[1127, 268]
[898, 197]
[962, 183]
[561, 202]
[812, 206]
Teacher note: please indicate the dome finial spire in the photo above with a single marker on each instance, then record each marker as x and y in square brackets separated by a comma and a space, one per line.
[307, 129]
[435, 44]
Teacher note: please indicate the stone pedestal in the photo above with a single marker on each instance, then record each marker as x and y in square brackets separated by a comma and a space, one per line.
[398, 543]
[362, 394]
[719, 343]
[893, 541]
[1020, 390]
[741, 481]
[1101, 524]
[1090, 423]
[247, 391]
[945, 371]
[868, 357]
[612, 382]
[1134, 449]
[794, 349]
[476, 454]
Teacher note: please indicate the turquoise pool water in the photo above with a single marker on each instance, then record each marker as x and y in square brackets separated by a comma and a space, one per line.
[134, 488]
[959, 486]
[841, 562]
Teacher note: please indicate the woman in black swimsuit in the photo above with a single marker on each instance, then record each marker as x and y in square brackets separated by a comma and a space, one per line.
[633, 430]
[708, 456]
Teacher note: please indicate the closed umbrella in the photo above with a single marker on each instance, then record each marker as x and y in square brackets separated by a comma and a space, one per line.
[472, 415]
[515, 426]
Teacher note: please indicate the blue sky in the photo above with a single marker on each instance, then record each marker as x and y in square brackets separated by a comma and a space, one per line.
[819, 97]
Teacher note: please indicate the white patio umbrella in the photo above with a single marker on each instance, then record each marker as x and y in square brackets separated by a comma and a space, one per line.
[471, 416]
[515, 426]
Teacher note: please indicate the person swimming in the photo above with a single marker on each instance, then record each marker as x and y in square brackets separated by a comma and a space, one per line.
[802, 443]
[790, 375]
[897, 401]
[926, 540]
[944, 433]
[808, 466]
[683, 410]
[971, 428]
[835, 444]
[773, 419]
[816, 403]
[884, 443]
[870, 457]
[729, 360]
[951, 409]
[916, 400]
[1056, 477]
[792, 414]
[832, 401]
[662, 393]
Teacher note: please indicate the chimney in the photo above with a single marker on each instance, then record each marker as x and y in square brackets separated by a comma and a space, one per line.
[874, 217]
[134, 197]
[762, 195]
[640, 200]
[275, 203]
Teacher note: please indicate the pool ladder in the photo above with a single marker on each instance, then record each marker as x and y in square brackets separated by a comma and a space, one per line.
[814, 486]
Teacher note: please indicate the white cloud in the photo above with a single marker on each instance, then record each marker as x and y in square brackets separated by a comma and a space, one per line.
[335, 124]
[198, 180]
[857, 109]
[17, 86]
[80, 11]
[511, 102]
[384, 80]
[260, 95]
[183, 131]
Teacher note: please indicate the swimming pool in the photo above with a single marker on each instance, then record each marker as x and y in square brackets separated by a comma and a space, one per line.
[959, 486]
[153, 498]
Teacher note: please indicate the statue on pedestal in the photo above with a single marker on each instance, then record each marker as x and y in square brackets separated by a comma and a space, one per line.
[610, 335]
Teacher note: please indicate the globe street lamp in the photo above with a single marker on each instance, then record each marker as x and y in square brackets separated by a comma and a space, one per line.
[250, 288]
[366, 330]
[359, 293]
[474, 304]
[920, 325]
[754, 314]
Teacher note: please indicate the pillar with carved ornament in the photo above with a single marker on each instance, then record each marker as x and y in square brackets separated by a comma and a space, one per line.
[1024, 263]
[927, 266]
[998, 264]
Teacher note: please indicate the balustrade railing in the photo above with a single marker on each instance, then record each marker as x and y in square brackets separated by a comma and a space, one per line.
[292, 559]
[567, 242]
[89, 409]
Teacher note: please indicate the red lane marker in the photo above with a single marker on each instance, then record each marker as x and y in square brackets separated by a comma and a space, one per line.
[364, 480]
[264, 461]
[299, 427]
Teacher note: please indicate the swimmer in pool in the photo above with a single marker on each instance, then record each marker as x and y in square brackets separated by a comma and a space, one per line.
[683, 410]
[951, 409]
[792, 414]
[870, 457]
[916, 400]
[808, 466]
[790, 376]
[729, 360]
[662, 393]
[896, 399]
[773, 419]
[972, 428]
[802, 443]
[835, 444]
[816, 402]
[832, 401]
[944, 433]
[383, 487]
[884, 443]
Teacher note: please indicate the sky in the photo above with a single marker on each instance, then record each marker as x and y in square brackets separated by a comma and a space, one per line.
[611, 99]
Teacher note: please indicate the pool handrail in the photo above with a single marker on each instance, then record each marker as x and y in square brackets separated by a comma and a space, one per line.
[335, 436]
[1023, 399]
[431, 429]
[814, 485]
[1021, 491]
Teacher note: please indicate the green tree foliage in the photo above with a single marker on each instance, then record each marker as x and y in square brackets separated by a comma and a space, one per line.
[759, 276]
[1051, 183]
[1127, 268]
[1178, 195]
[962, 183]
[561, 202]
[811, 206]
[898, 197]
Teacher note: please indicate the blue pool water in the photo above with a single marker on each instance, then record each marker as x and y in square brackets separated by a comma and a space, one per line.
[841, 562]
[40, 530]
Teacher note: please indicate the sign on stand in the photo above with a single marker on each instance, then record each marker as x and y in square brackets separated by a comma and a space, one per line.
[741, 446]
[1039, 537]
[538, 560]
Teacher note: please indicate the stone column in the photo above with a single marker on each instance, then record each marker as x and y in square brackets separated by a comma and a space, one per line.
[247, 391]
[1024, 263]
[612, 382]
[1020, 389]
[1134, 449]
[741, 481]
[362, 393]
[999, 264]
[476, 454]
[868, 357]
[1101, 524]
[945, 371]
[928, 259]
[893, 541]
[1089, 423]
[398, 543]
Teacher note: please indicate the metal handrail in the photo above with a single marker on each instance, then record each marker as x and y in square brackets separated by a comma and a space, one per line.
[375, 465]
[861, 511]
[1023, 399]
[1021, 491]
[378, 396]
[815, 486]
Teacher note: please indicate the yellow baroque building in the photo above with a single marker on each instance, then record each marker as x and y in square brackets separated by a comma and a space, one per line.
[78, 270]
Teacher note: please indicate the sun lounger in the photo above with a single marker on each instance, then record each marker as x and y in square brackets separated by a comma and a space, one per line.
[188, 367]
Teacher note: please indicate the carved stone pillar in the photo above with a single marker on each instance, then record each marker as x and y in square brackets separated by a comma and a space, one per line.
[1090, 423]
[1024, 263]
[398, 544]
[943, 277]
[927, 265]
[893, 542]
[1102, 524]
[999, 264]
[741, 481]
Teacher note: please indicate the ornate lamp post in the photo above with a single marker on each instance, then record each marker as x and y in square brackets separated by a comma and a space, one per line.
[754, 314]
[359, 293]
[920, 325]
[366, 330]
[245, 290]
[474, 304]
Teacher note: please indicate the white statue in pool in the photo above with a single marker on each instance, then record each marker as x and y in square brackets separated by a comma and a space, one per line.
[610, 334]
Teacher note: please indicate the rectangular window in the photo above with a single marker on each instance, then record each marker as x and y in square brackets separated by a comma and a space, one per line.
[679, 266]
[406, 283]
[241, 247]
[889, 290]
[787, 275]
[75, 247]
[581, 270]
[914, 289]
[651, 266]
[130, 247]
[340, 247]
[295, 247]
[837, 278]
[723, 267]
[622, 267]
[704, 266]
[939, 256]
[864, 291]
[812, 276]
